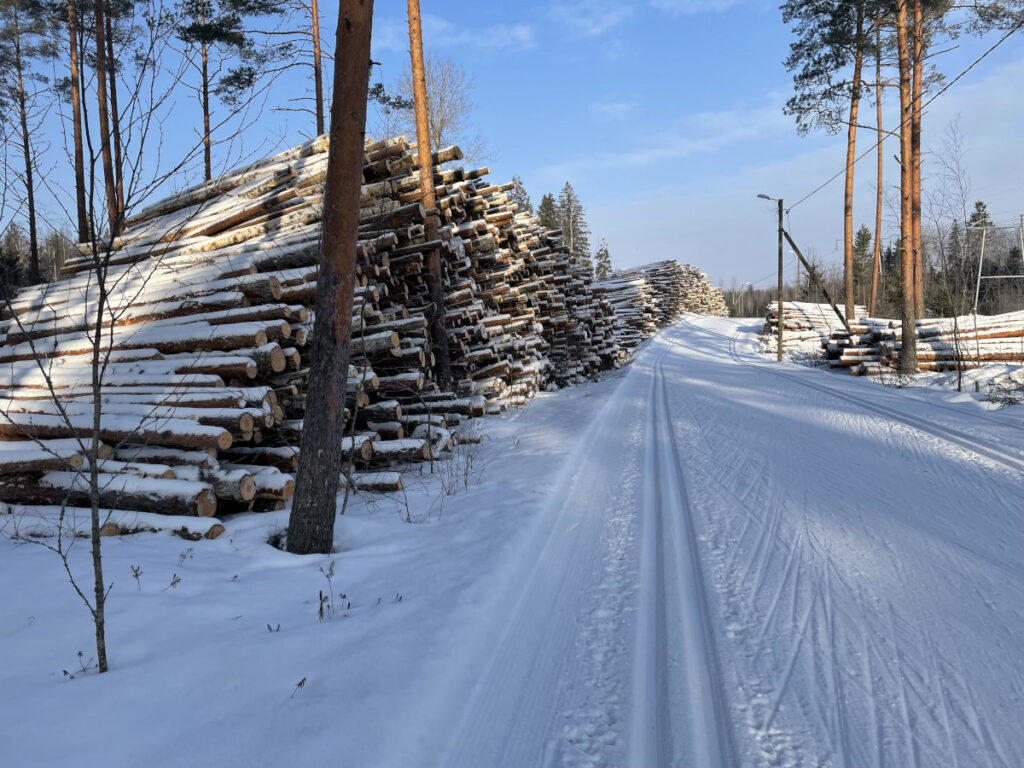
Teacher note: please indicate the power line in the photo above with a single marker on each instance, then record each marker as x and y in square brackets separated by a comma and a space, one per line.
[945, 88]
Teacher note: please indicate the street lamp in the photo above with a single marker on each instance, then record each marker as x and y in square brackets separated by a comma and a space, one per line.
[780, 320]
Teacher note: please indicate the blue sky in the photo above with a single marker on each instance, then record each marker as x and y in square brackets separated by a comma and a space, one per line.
[666, 116]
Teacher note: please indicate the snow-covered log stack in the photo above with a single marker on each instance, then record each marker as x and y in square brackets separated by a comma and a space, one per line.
[943, 344]
[653, 296]
[208, 327]
[805, 324]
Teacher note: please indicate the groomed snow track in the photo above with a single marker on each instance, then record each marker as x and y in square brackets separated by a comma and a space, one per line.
[747, 564]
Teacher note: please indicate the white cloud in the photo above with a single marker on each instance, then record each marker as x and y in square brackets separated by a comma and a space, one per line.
[590, 18]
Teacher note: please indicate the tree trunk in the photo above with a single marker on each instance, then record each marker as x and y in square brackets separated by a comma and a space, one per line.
[311, 523]
[851, 157]
[207, 164]
[915, 166]
[438, 332]
[908, 356]
[876, 262]
[115, 124]
[318, 72]
[104, 117]
[76, 125]
[34, 275]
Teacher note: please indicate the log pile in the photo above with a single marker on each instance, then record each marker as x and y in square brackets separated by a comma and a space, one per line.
[805, 324]
[873, 345]
[654, 296]
[207, 331]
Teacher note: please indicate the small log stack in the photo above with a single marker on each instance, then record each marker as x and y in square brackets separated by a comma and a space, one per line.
[943, 344]
[805, 322]
[209, 318]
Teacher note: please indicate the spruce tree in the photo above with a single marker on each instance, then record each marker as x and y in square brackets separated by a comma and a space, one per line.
[573, 223]
[603, 261]
[520, 196]
[547, 212]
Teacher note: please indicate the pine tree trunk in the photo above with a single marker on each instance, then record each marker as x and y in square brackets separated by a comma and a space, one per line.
[851, 156]
[76, 125]
[311, 523]
[207, 164]
[318, 72]
[915, 149]
[34, 275]
[908, 356]
[104, 118]
[115, 124]
[439, 334]
[876, 262]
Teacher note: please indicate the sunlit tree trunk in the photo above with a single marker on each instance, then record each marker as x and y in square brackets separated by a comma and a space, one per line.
[876, 262]
[115, 122]
[26, 148]
[103, 116]
[917, 243]
[851, 156]
[318, 72]
[76, 125]
[908, 357]
[442, 366]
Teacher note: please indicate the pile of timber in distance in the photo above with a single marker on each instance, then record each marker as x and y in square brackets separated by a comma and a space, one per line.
[873, 345]
[804, 322]
[209, 325]
[653, 296]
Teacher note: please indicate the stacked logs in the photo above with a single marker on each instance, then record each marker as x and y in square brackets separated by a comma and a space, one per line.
[805, 323]
[873, 345]
[206, 331]
[654, 296]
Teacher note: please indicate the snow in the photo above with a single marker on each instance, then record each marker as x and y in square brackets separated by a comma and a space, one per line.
[705, 559]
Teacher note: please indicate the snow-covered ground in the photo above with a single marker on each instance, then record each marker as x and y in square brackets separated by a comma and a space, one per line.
[707, 559]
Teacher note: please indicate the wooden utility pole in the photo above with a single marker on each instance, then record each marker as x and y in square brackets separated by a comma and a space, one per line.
[318, 72]
[782, 321]
[311, 523]
[438, 332]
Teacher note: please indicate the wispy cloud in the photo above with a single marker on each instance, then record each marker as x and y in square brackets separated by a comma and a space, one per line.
[590, 18]
[392, 34]
[612, 111]
[695, 6]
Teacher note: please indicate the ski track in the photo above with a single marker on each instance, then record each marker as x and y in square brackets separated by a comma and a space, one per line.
[747, 565]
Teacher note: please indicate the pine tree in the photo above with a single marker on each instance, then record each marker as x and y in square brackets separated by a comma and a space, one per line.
[219, 32]
[573, 223]
[603, 261]
[24, 40]
[547, 212]
[520, 196]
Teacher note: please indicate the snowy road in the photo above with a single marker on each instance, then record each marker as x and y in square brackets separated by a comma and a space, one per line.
[707, 560]
[748, 564]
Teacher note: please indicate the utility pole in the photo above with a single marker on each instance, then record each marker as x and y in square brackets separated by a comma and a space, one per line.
[438, 332]
[781, 320]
